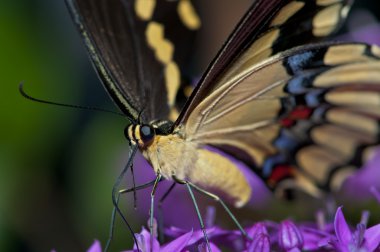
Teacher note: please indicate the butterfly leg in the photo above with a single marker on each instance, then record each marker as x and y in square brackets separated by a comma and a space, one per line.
[160, 215]
[189, 188]
[134, 186]
[113, 216]
[151, 212]
[218, 199]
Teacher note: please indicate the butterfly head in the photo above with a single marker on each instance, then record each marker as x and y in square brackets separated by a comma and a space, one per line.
[140, 134]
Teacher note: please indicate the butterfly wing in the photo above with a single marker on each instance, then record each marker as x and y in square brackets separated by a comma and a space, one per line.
[273, 113]
[138, 57]
[269, 27]
[309, 114]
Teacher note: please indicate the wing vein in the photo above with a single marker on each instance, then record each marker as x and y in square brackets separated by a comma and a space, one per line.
[242, 102]
[243, 128]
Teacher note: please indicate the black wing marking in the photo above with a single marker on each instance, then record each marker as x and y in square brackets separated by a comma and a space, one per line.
[130, 62]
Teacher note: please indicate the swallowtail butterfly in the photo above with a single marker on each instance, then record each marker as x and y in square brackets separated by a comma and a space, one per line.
[299, 112]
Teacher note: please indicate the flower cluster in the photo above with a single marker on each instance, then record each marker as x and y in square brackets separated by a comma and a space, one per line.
[268, 236]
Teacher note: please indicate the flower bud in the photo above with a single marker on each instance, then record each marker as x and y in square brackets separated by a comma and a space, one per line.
[289, 236]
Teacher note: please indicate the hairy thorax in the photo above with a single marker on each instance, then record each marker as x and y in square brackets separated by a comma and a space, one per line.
[173, 155]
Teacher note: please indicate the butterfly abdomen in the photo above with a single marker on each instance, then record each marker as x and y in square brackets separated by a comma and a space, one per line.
[217, 174]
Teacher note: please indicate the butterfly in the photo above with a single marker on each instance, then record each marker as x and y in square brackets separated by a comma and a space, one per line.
[298, 112]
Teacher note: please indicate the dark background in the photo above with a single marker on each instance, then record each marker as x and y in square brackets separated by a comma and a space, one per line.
[58, 165]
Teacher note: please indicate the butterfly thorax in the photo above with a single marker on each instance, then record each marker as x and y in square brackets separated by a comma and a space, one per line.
[172, 154]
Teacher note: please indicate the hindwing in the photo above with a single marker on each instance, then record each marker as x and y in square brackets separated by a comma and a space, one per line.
[309, 115]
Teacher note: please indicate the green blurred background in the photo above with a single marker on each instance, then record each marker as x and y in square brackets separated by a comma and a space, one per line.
[58, 165]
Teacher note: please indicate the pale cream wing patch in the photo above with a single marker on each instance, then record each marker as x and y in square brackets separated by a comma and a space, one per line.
[324, 22]
[244, 112]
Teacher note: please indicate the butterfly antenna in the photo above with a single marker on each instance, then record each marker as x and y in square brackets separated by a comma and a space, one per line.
[27, 96]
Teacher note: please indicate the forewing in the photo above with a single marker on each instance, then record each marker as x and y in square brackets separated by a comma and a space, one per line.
[137, 54]
[268, 27]
[309, 115]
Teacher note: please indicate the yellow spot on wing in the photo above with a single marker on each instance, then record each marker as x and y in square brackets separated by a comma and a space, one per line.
[188, 90]
[304, 183]
[317, 162]
[369, 153]
[375, 50]
[286, 12]
[188, 15]
[340, 176]
[344, 53]
[353, 98]
[353, 120]
[172, 80]
[163, 48]
[144, 9]
[368, 72]
[344, 12]
[327, 2]
[326, 20]
[173, 114]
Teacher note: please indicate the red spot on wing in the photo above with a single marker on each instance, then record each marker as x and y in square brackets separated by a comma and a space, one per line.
[298, 113]
[286, 122]
[280, 172]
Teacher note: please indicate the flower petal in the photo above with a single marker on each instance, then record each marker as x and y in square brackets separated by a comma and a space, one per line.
[143, 239]
[358, 235]
[260, 243]
[253, 232]
[258, 228]
[372, 237]
[95, 247]
[314, 238]
[289, 236]
[177, 244]
[358, 185]
[203, 247]
[376, 193]
[342, 231]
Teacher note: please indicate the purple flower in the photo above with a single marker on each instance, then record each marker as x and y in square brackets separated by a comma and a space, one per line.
[289, 236]
[217, 237]
[256, 229]
[363, 27]
[260, 239]
[144, 241]
[266, 236]
[203, 248]
[260, 243]
[362, 239]
[314, 239]
[359, 185]
[95, 247]
[376, 193]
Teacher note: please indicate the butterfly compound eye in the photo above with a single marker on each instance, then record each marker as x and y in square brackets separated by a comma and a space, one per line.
[147, 134]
